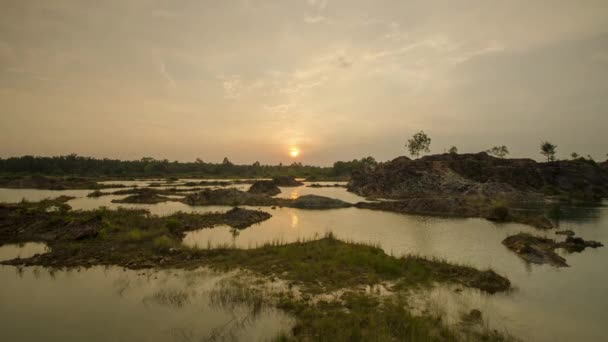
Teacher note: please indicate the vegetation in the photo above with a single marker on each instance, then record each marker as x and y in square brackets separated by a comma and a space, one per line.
[498, 151]
[74, 165]
[136, 239]
[548, 150]
[420, 142]
[574, 155]
[453, 150]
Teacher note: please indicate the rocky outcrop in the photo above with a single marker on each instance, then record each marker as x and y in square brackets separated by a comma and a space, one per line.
[473, 185]
[479, 175]
[264, 187]
[540, 250]
[286, 181]
[581, 178]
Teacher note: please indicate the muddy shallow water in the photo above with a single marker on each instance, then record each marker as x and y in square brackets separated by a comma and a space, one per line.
[547, 304]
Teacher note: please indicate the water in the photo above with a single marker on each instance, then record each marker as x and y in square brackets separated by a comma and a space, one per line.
[111, 304]
[547, 304]
[25, 250]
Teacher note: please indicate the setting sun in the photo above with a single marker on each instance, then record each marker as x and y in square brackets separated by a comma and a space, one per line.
[294, 152]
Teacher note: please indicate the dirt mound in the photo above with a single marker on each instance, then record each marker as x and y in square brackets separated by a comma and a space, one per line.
[264, 187]
[242, 218]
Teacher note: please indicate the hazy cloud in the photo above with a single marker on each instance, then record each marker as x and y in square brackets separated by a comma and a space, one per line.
[341, 78]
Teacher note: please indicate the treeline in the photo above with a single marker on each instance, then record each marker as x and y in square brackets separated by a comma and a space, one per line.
[150, 167]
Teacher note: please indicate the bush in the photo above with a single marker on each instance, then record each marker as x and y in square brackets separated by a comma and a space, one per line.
[163, 243]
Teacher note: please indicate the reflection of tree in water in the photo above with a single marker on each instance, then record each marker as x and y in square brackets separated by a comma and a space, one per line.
[578, 213]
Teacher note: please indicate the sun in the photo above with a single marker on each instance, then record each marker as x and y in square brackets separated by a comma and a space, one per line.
[294, 152]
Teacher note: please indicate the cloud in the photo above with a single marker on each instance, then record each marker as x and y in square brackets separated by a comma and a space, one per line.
[314, 19]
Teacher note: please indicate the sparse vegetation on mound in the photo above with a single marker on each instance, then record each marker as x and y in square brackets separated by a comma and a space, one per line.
[264, 187]
[53, 183]
[234, 197]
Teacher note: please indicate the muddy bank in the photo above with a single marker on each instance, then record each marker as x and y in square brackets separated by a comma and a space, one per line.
[53, 183]
[540, 250]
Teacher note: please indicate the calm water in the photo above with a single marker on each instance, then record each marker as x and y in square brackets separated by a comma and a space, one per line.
[548, 304]
[111, 304]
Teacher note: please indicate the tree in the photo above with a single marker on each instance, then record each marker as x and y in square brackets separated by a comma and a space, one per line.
[574, 155]
[498, 151]
[548, 150]
[420, 142]
[453, 150]
[226, 162]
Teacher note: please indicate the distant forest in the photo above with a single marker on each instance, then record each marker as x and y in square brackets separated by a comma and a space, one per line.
[149, 167]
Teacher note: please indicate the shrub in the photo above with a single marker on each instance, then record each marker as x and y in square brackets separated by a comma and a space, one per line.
[163, 243]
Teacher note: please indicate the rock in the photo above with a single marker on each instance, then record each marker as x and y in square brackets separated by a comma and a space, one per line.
[264, 187]
[286, 181]
[565, 232]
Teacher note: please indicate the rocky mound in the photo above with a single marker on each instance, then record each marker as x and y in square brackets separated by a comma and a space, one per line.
[539, 250]
[479, 175]
[286, 181]
[230, 197]
[243, 218]
[264, 187]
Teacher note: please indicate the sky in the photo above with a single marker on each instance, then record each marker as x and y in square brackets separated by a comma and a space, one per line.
[336, 79]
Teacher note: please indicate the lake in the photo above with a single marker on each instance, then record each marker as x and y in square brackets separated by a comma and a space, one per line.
[547, 303]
